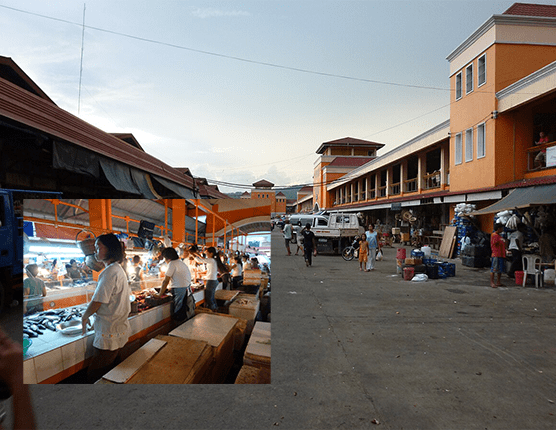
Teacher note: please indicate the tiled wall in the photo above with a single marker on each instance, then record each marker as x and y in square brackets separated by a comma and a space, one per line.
[53, 356]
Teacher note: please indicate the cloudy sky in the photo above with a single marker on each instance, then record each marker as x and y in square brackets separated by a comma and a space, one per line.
[244, 90]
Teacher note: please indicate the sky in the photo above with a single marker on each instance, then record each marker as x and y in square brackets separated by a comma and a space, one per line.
[240, 91]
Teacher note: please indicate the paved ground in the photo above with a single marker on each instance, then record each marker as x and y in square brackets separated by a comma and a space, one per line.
[350, 348]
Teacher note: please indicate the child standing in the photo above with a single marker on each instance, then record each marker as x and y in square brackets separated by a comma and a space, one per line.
[363, 253]
[498, 248]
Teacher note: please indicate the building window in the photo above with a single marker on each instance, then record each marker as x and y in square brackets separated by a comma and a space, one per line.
[469, 79]
[481, 79]
[481, 138]
[458, 149]
[469, 145]
[458, 86]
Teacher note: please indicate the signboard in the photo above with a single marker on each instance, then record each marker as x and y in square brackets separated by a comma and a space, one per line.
[551, 156]
[396, 206]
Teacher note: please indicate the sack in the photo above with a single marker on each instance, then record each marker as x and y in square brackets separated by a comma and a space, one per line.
[379, 255]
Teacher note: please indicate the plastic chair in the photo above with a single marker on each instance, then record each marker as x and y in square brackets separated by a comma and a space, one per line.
[530, 262]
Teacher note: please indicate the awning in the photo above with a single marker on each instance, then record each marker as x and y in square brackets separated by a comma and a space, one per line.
[521, 198]
[186, 193]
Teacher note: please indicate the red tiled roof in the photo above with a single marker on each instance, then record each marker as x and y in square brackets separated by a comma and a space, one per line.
[528, 9]
[280, 193]
[306, 189]
[350, 161]
[349, 141]
[263, 183]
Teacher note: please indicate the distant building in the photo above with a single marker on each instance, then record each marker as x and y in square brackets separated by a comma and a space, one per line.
[263, 190]
[337, 158]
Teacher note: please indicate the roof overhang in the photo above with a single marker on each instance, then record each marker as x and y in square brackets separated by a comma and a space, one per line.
[522, 198]
[532, 87]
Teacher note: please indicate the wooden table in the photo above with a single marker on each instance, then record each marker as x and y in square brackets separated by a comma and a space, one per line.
[179, 361]
[218, 332]
[257, 353]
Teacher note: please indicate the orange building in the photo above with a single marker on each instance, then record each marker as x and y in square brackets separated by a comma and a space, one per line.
[263, 190]
[337, 158]
[503, 82]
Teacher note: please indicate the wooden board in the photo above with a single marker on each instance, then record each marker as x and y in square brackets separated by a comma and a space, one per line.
[131, 365]
[448, 242]
[210, 328]
[258, 349]
[181, 361]
[253, 375]
[252, 277]
[226, 295]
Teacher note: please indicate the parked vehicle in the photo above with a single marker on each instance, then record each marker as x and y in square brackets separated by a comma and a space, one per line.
[335, 231]
[11, 246]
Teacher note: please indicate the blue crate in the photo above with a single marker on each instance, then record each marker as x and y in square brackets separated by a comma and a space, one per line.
[417, 254]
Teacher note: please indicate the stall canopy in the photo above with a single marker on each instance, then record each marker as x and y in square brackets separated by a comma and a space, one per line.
[521, 198]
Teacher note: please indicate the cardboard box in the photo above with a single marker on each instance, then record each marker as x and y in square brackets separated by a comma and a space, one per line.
[412, 261]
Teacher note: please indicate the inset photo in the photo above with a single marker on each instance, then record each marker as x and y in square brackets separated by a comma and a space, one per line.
[146, 291]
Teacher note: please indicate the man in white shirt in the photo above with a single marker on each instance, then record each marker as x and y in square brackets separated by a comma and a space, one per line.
[287, 232]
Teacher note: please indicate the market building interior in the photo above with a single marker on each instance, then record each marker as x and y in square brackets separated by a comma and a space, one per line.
[213, 346]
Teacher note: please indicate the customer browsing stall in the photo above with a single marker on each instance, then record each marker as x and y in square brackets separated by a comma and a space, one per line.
[179, 278]
[213, 264]
[110, 303]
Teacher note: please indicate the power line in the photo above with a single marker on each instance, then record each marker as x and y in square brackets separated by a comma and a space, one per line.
[230, 57]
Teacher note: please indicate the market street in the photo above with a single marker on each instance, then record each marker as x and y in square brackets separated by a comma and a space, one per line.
[351, 347]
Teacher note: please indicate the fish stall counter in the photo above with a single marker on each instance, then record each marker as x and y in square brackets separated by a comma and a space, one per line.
[56, 353]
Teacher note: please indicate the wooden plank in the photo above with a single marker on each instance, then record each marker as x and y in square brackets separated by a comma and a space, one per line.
[253, 375]
[258, 349]
[226, 295]
[131, 365]
[207, 327]
[181, 361]
[446, 247]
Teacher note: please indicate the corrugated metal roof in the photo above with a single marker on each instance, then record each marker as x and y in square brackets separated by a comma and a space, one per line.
[33, 111]
[24, 102]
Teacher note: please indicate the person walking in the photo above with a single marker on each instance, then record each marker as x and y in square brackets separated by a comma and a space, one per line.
[298, 239]
[287, 232]
[372, 239]
[309, 244]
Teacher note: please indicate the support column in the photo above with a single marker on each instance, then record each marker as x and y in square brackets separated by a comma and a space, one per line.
[444, 163]
[403, 174]
[420, 170]
[178, 220]
[100, 214]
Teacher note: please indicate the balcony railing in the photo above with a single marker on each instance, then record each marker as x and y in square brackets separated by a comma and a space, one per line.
[382, 191]
[541, 157]
[410, 185]
[371, 194]
[395, 189]
[432, 180]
